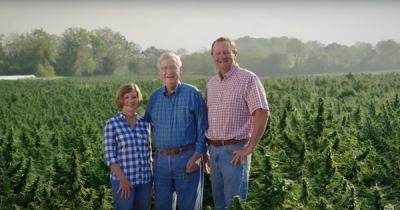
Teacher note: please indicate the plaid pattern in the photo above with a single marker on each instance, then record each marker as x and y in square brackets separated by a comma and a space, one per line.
[177, 119]
[128, 147]
[230, 103]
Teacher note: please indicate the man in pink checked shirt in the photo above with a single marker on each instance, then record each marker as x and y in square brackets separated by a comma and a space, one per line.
[237, 117]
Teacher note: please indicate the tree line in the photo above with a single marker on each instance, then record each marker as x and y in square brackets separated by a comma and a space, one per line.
[80, 52]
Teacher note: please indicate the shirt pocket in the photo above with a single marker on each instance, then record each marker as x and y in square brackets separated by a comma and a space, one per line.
[183, 113]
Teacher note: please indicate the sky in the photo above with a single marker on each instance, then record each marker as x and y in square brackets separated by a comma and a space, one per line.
[194, 24]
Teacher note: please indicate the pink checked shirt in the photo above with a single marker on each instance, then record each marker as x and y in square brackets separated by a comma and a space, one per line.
[230, 101]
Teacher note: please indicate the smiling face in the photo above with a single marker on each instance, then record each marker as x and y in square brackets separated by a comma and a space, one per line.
[169, 73]
[223, 56]
[130, 101]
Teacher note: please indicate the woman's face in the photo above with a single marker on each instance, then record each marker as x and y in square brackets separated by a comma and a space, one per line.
[130, 101]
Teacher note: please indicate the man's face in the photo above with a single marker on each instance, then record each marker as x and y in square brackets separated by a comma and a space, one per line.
[169, 72]
[223, 56]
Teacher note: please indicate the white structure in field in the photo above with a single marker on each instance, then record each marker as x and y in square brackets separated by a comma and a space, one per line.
[15, 77]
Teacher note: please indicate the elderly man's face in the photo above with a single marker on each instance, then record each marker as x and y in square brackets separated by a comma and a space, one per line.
[169, 72]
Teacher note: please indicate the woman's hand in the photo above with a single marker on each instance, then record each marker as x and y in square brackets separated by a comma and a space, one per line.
[124, 188]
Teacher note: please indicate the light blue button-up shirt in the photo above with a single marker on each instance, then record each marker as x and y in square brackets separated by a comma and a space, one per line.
[177, 119]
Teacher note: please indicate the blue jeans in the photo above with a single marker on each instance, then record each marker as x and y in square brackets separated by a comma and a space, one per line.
[172, 185]
[138, 199]
[228, 180]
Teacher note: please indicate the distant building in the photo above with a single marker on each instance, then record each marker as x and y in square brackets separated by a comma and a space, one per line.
[15, 77]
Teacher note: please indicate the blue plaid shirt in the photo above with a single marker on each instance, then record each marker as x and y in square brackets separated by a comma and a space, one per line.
[128, 147]
[177, 119]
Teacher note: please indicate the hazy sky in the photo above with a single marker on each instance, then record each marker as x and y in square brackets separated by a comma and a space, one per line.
[193, 25]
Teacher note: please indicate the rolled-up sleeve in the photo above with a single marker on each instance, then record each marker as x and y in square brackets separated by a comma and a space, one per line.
[109, 144]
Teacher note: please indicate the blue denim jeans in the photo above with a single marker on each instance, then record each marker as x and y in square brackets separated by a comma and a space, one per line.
[138, 199]
[228, 180]
[172, 185]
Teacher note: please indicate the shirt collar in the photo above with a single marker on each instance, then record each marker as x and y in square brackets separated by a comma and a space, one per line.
[175, 91]
[122, 116]
[228, 74]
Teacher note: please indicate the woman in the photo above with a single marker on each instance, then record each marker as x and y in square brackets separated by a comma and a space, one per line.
[127, 152]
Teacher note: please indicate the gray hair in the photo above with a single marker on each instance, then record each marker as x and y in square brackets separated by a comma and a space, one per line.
[170, 55]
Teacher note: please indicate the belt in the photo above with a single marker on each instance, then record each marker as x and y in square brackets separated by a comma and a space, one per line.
[178, 150]
[218, 143]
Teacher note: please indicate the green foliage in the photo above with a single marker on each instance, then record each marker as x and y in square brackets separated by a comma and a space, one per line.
[102, 51]
[237, 204]
[31, 53]
[320, 150]
[76, 56]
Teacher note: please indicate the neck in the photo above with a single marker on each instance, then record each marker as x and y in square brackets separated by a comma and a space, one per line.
[128, 114]
[170, 87]
[222, 72]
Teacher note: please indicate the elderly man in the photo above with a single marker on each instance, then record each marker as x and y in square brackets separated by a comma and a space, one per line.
[177, 114]
[237, 117]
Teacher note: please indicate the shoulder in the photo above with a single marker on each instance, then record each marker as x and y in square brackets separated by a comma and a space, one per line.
[189, 87]
[247, 77]
[140, 118]
[114, 119]
[157, 91]
[215, 78]
[245, 73]
[142, 123]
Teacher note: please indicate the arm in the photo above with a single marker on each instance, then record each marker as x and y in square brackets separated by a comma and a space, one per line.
[201, 125]
[260, 119]
[112, 160]
[124, 183]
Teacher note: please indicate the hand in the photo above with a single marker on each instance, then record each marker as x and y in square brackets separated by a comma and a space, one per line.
[124, 188]
[193, 163]
[240, 154]
[206, 163]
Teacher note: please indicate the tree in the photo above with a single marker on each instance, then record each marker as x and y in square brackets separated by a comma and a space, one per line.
[150, 59]
[32, 53]
[111, 50]
[364, 54]
[44, 52]
[275, 64]
[388, 55]
[2, 56]
[76, 57]
[340, 57]
[316, 62]
[199, 63]
[295, 48]
[135, 58]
